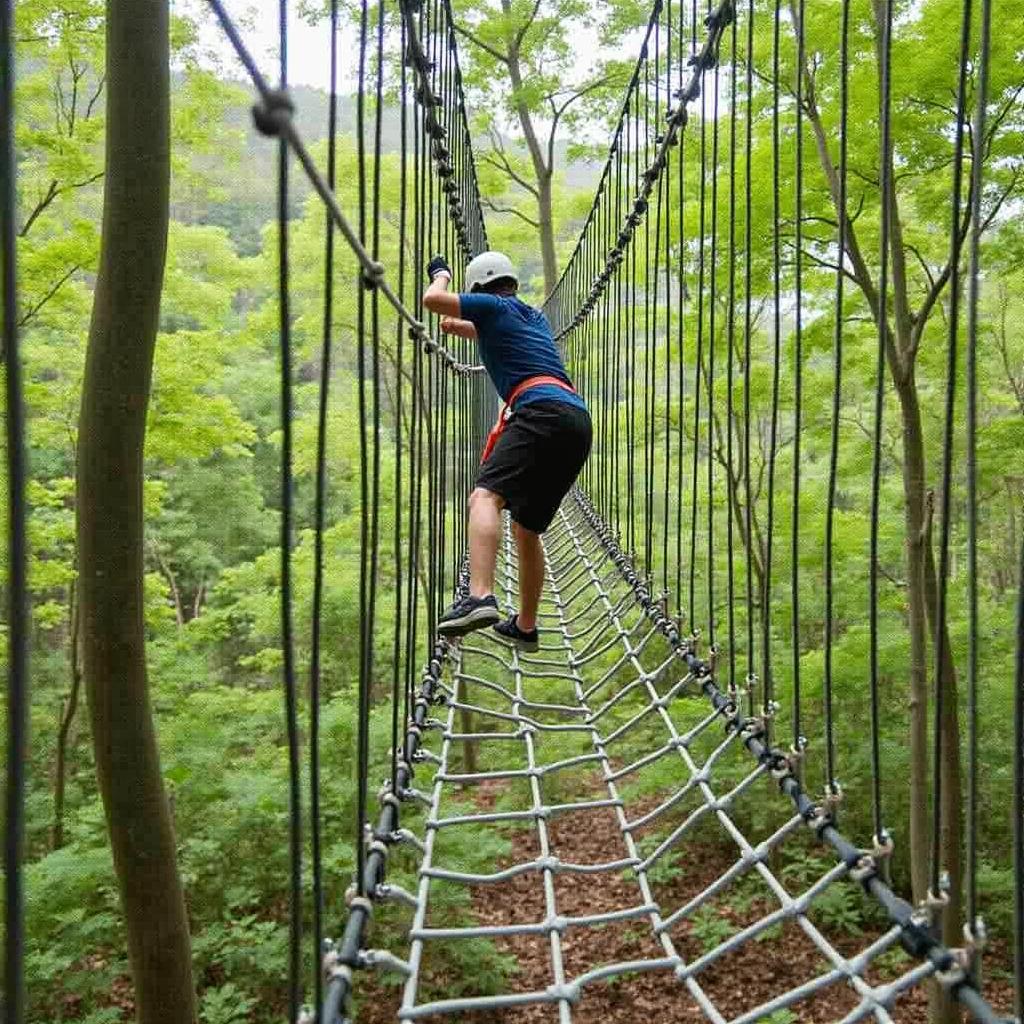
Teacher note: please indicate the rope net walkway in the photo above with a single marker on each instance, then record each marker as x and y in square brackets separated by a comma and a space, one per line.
[612, 677]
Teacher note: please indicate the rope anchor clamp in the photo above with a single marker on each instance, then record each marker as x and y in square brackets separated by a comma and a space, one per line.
[273, 112]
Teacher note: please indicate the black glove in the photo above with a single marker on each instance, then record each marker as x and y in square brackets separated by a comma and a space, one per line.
[436, 266]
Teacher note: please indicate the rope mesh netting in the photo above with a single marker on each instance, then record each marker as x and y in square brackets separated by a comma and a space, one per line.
[671, 661]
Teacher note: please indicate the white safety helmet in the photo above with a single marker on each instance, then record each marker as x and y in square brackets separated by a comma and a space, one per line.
[489, 266]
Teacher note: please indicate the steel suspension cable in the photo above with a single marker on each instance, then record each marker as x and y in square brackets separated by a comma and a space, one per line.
[446, 212]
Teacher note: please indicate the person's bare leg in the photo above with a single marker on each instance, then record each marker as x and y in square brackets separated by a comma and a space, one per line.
[484, 536]
[531, 576]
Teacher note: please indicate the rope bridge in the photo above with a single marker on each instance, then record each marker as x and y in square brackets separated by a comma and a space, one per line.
[658, 650]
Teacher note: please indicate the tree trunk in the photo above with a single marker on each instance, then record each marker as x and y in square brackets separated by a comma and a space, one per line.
[951, 805]
[546, 230]
[115, 396]
[922, 596]
[68, 709]
[542, 169]
[914, 547]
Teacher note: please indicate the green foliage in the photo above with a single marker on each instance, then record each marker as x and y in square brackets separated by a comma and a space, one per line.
[780, 1017]
[710, 927]
[225, 1005]
[212, 490]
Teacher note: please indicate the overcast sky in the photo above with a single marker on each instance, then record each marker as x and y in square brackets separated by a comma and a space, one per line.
[308, 45]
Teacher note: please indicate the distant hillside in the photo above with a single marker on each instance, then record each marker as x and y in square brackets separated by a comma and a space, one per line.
[247, 192]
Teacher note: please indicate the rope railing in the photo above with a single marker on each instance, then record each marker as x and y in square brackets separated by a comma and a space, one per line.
[439, 404]
[667, 283]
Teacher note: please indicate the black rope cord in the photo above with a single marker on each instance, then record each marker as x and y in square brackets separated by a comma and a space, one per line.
[1017, 823]
[837, 372]
[315, 669]
[941, 651]
[699, 358]
[798, 737]
[446, 412]
[885, 178]
[977, 163]
[730, 370]
[768, 707]
[585, 293]
[748, 327]
[17, 587]
[287, 639]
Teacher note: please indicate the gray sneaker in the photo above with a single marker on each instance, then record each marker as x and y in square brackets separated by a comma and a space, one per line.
[509, 630]
[468, 614]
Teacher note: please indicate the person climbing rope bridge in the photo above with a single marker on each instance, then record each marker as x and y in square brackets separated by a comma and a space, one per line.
[534, 452]
[626, 680]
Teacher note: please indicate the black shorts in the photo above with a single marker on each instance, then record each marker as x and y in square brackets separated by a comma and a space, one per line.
[537, 459]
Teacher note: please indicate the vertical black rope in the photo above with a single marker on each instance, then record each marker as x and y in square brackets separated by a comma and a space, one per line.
[318, 524]
[766, 602]
[375, 340]
[748, 326]
[365, 638]
[1018, 801]
[977, 175]
[699, 360]
[666, 479]
[798, 741]
[712, 324]
[287, 645]
[730, 364]
[681, 342]
[876, 467]
[400, 672]
[941, 651]
[17, 590]
[837, 390]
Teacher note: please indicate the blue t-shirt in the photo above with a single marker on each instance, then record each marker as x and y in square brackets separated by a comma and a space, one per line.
[515, 342]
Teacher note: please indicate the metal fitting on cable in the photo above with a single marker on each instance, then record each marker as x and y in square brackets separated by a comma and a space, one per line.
[864, 868]
[976, 937]
[883, 845]
[833, 796]
[273, 112]
[373, 275]
[818, 819]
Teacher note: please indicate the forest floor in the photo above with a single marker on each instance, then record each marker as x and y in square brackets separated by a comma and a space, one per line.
[736, 983]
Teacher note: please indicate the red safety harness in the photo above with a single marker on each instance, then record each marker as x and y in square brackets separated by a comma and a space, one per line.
[506, 413]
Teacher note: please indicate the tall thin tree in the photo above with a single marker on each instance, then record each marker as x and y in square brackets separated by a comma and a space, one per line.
[115, 397]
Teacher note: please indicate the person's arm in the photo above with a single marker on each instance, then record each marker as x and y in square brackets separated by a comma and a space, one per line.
[461, 328]
[437, 298]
